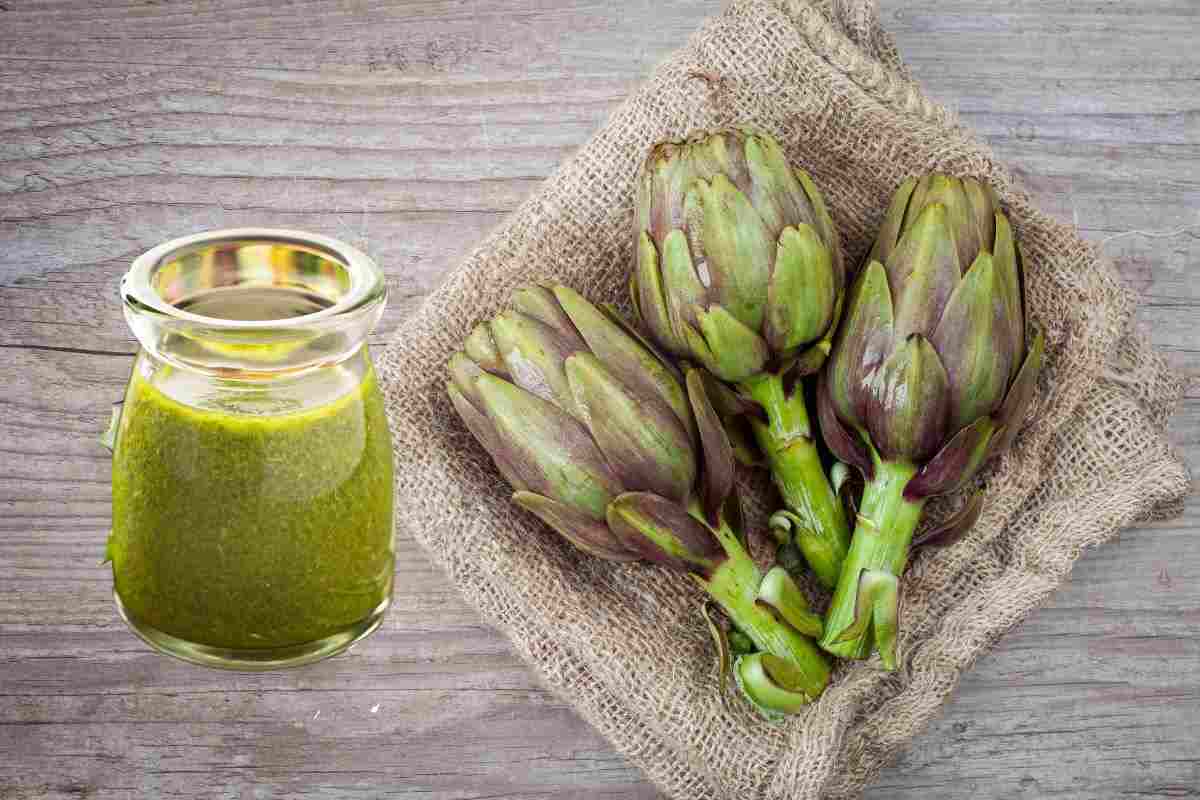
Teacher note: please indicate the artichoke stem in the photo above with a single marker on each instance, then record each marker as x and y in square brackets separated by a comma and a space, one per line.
[735, 584]
[882, 535]
[786, 438]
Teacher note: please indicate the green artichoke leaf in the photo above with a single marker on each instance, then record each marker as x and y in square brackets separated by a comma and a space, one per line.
[535, 354]
[909, 402]
[480, 347]
[787, 602]
[923, 272]
[727, 232]
[641, 438]
[485, 433]
[803, 290]
[649, 299]
[893, 223]
[825, 227]
[588, 534]
[663, 531]
[758, 676]
[971, 339]
[734, 351]
[864, 340]
[955, 463]
[542, 304]
[552, 451]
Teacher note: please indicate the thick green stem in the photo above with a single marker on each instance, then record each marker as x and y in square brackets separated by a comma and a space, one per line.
[786, 438]
[886, 521]
[734, 584]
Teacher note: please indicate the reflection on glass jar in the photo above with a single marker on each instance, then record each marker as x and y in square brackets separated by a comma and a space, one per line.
[252, 470]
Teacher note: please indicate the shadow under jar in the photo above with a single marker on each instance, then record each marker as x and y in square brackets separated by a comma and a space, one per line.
[252, 468]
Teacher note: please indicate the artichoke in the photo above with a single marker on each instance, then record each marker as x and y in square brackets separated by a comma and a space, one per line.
[930, 376]
[739, 270]
[602, 440]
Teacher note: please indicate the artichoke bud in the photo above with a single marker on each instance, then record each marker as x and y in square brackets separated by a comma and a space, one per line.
[534, 355]
[664, 532]
[725, 223]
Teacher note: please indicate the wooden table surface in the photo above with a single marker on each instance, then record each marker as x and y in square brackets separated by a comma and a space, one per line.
[411, 128]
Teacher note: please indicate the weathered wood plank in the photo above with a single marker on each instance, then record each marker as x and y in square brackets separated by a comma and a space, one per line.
[391, 124]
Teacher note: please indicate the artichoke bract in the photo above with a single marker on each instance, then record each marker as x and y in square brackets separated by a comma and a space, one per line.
[930, 376]
[602, 439]
[740, 270]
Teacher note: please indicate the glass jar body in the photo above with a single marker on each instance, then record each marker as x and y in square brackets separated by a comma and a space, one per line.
[252, 462]
[252, 524]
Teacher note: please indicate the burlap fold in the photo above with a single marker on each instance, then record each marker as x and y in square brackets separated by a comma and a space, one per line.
[624, 643]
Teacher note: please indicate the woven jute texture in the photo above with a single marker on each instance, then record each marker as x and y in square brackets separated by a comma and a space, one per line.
[624, 643]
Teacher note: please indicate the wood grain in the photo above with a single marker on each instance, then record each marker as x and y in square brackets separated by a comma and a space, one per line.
[411, 128]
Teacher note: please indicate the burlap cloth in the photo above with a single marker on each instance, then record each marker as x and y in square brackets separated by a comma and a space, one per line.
[624, 643]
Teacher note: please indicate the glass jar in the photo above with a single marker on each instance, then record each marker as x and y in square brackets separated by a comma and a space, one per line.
[252, 467]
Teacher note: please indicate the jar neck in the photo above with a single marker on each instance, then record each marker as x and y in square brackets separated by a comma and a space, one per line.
[253, 304]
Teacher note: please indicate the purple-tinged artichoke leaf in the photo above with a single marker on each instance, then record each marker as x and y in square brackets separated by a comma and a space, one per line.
[649, 297]
[728, 402]
[955, 463]
[540, 303]
[864, 340]
[663, 531]
[736, 247]
[909, 402]
[623, 354]
[485, 433]
[948, 191]
[802, 292]
[954, 527]
[923, 271]
[773, 190]
[552, 451]
[846, 444]
[590, 535]
[893, 223]
[534, 354]
[737, 352]
[716, 451]
[916, 202]
[481, 348]
[983, 206]
[973, 344]
[1008, 279]
[641, 438]
[1016, 404]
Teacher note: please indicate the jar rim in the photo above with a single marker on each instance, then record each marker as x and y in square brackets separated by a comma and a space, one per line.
[367, 284]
